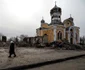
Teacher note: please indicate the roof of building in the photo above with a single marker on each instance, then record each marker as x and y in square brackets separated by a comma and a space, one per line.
[42, 28]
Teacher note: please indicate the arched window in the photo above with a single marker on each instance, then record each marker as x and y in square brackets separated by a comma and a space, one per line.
[59, 35]
[71, 31]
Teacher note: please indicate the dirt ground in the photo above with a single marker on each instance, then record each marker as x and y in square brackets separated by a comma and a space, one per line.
[26, 56]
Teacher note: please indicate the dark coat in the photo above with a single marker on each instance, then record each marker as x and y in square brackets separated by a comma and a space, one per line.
[12, 49]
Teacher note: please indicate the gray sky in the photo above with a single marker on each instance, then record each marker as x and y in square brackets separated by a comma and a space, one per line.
[23, 16]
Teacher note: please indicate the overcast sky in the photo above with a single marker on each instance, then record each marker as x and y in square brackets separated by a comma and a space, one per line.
[23, 16]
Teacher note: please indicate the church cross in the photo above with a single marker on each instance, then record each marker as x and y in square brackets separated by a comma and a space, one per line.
[55, 2]
[70, 15]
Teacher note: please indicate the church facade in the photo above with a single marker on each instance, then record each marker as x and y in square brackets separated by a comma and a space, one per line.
[57, 30]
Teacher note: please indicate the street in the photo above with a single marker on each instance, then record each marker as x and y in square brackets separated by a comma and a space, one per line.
[76, 64]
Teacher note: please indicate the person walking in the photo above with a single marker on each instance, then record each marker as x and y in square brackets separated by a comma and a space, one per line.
[12, 49]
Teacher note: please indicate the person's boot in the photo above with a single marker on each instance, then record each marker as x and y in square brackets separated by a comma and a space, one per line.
[14, 55]
[9, 56]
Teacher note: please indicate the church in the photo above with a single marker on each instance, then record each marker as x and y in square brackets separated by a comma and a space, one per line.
[57, 30]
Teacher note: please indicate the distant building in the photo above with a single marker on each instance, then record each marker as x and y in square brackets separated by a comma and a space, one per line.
[57, 30]
[4, 38]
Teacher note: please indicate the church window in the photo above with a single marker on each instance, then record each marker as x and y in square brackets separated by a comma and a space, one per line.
[68, 23]
[71, 31]
[59, 35]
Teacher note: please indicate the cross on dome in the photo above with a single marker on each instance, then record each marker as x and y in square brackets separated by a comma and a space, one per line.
[70, 15]
[55, 4]
[42, 17]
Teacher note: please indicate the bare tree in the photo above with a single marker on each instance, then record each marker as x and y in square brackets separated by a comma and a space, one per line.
[22, 37]
[82, 40]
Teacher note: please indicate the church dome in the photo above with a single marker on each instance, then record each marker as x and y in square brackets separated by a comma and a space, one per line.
[71, 18]
[55, 9]
[42, 21]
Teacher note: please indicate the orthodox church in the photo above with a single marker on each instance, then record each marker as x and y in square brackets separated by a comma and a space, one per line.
[57, 30]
